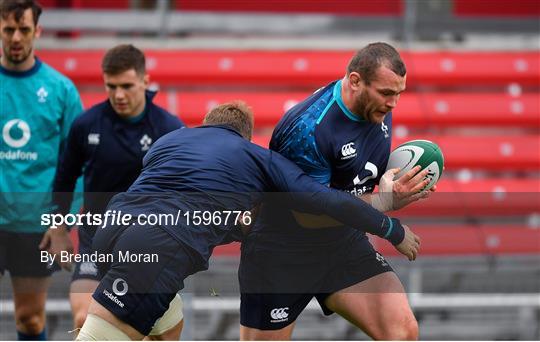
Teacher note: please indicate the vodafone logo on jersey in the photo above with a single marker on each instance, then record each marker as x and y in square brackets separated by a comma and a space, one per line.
[120, 287]
[12, 137]
[16, 134]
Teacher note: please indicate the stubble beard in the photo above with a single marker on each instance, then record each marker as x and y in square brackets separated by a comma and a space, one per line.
[360, 108]
[17, 61]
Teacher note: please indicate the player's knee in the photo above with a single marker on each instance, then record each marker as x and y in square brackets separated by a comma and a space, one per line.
[31, 323]
[169, 326]
[409, 330]
[79, 318]
[405, 330]
[250, 334]
[173, 334]
[96, 328]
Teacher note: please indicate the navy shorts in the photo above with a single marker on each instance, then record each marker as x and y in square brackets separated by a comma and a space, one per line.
[276, 286]
[21, 256]
[138, 290]
[86, 269]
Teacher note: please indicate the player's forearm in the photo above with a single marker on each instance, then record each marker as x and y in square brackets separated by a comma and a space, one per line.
[368, 198]
[360, 214]
[311, 221]
[342, 206]
[347, 209]
[377, 202]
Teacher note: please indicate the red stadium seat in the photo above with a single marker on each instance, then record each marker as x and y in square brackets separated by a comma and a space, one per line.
[467, 109]
[487, 152]
[497, 8]
[267, 107]
[454, 240]
[519, 153]
[474, 152]
[342, 7]
[93, 4]
[472, 240]
[479, 197]
[308, 69]
[472, 68]
[414, 110]
[86, 4]
[261, 140]
[48, 3]
[232, 249]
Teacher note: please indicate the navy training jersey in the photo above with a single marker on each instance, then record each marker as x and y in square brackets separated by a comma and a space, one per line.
[214, 169]
[337, 148]
[109, 150]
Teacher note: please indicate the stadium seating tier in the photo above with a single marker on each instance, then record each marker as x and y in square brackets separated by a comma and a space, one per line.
[306, 69]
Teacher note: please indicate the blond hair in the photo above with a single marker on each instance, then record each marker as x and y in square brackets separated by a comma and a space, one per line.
[236, 114]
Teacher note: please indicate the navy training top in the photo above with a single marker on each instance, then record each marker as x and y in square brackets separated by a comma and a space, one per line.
[214, 169]
[337, 148]
[110, 149]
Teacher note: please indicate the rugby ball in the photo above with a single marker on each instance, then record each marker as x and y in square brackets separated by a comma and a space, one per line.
[418, 152]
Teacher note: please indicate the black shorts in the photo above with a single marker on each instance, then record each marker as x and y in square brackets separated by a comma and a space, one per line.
[276, 286]
[21, 256]
[139, 292]
[85, 269]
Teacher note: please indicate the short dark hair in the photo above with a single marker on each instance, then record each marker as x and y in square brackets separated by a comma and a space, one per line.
[236, 114]
[123, 58]
[18, 7]
[370, 58]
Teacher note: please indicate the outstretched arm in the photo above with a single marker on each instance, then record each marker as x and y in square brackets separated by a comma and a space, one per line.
[303, 193]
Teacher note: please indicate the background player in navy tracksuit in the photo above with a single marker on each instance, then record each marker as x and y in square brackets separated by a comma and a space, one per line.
[341, 136]
[107, 143]
[212, 168]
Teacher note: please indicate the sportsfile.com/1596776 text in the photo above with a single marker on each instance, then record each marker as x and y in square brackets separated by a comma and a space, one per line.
[113, 217]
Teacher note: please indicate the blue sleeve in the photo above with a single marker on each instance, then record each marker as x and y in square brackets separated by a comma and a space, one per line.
[297, 142]
[69, 168]
[303, 193]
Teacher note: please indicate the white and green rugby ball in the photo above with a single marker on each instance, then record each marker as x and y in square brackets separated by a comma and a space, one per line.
[418, 152]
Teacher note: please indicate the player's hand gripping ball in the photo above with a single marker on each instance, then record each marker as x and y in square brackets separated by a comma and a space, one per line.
[418, 152]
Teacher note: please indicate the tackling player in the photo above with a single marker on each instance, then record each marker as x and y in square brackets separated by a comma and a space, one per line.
[213, 168]
[37, 107]
[341, 136]
[109, 142]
